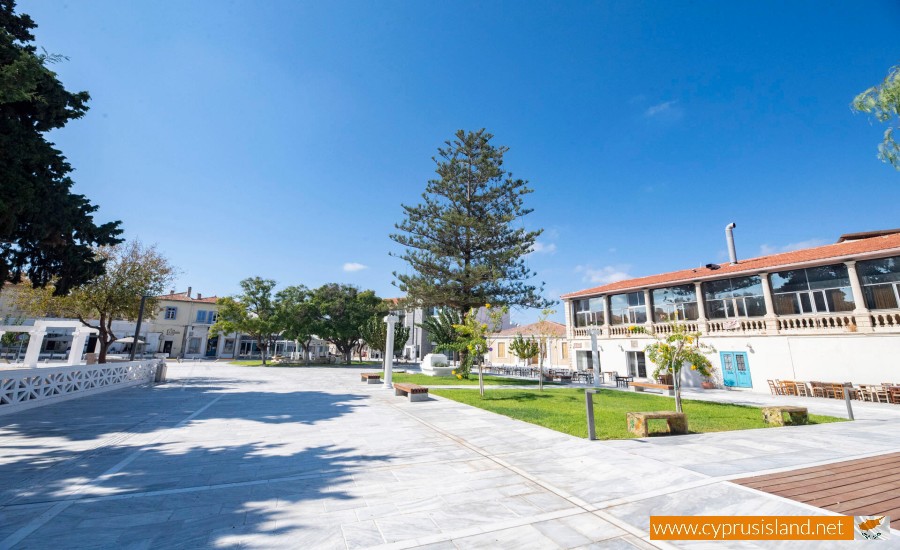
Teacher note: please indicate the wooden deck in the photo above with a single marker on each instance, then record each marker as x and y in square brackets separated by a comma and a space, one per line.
[864, 487]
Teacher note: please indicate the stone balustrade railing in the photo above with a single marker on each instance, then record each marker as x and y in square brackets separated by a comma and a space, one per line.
[838, 322]
[887, 320]
[24, 388]
[667, 328]
[736, 326]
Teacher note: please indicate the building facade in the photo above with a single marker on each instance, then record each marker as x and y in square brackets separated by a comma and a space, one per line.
[554, 349]
[829, 313]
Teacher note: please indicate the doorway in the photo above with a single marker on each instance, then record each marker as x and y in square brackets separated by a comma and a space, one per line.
[736, 369]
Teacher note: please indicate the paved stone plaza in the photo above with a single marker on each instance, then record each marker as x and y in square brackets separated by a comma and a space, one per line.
[226, 456]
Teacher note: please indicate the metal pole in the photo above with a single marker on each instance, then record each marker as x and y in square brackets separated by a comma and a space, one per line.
[847, 388]
[589, 403]
[137, 327]
[595, 357]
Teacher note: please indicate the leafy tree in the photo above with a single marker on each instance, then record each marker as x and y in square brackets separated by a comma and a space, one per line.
[47, 233]
[343, 309]
[374, 334]
[544, 335]
[884, 102]
[675, 348]
[298, 315]
[525, 349]
[253, 312]
[473, 340]
[464, 242]
[132, 270]
[440, 330]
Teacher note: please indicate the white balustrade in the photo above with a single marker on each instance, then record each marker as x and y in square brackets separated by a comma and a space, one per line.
[26, 388]
[842, 322]
[886, 320]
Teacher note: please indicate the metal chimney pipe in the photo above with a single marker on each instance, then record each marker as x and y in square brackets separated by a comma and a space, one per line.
[729, 236]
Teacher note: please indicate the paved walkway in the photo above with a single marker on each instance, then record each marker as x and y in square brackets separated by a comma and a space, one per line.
[227, 456]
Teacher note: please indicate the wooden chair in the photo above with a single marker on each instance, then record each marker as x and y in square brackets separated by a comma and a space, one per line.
[864, 393]
[802, 389]
[895, 394]
[774, 389]
[881, 394]
[818, 389]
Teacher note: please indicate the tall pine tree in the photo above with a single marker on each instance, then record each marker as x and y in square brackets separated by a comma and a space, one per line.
[47, 233]
[465, 242]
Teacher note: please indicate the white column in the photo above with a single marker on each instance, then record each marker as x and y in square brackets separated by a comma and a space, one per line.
[79, 337]
[648, 307]
[701, 308]
[35, 340]
[860, 311]
[771, 321]
[391, 320]
[595, 355]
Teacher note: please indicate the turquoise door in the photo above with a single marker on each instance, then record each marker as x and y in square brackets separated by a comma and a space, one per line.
[736, 369]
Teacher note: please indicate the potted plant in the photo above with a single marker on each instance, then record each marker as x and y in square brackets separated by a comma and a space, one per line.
[709, 379]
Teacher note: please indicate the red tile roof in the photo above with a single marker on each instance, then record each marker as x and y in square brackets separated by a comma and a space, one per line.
[882, 245]
[183, 297]
[549, 327]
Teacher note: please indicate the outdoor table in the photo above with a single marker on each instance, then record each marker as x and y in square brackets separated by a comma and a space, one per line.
[622, 381]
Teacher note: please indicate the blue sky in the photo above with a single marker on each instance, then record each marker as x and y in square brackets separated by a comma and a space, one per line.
[280, 138]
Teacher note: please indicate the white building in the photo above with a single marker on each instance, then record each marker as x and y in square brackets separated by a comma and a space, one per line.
[829, 313]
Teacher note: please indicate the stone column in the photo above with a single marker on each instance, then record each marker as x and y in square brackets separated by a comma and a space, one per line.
[606, 315]
[79, 337]
[35, 340]
[702, 326]
[860, 311]
[595, 356]
[770, 319]
[391, 320]
[648, 306]
[570, 322]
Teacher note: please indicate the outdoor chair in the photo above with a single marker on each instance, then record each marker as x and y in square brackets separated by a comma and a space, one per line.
[774, 389]
[818, 389]
[802, 389]
[895, 394]
[881, 394]
[865, 392]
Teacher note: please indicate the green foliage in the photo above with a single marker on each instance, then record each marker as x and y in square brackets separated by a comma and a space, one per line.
[524, 348]
[441, 332]
[425, 380]
[343, 309]
[132, 270]
[884, 103]
[562, 409]
[374, 334]
[297, 314]
[254, 312]
[465, 242]
[473, 336]
[47, 233]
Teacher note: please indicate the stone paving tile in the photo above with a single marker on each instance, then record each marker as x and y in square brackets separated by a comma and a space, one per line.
[310, 458]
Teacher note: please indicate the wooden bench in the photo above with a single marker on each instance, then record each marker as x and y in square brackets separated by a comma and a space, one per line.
[667, 389]
[637, 422]
[775, 415]
[413, 391]
[371, 377]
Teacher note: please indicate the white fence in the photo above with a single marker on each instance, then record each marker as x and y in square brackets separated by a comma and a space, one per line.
[26, 388]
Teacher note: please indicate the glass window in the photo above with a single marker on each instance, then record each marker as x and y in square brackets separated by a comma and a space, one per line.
[171, 312]
[677, 299]
[501, 349]
[637, 364]
[212, 316]
[880, 280]
[194, 345]
[627, 308]
[822, 289]
[736, 297]
[201, 316]
[589, 311]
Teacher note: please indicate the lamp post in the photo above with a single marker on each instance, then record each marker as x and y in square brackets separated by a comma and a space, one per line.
[137, 327]
[595, 356]
[391, 320]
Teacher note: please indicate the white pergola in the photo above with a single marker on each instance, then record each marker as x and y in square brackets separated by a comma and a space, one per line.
[38, 331]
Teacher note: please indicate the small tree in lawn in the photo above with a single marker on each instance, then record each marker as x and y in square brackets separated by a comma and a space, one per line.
[298, 315]
[677, 348]
[473, 337]
[526, 349]
[544, 335]
[253, 312]
[343, 309]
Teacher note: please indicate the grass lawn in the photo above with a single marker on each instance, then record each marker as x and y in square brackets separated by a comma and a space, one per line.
[425, 380]
[258, 363]
[563, 410]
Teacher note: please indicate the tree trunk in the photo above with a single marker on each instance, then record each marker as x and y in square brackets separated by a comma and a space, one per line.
[348, 356]
[676, 380]
[541, 368]
[263, 350]
[481, 378]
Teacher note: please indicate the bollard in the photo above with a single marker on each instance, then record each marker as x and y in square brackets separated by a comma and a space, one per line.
[847, 388]
[589, 403]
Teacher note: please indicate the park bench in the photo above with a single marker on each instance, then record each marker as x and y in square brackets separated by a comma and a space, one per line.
[775, 415]
[637, 422]
[413, 391]
[371, 377]
[667, 389]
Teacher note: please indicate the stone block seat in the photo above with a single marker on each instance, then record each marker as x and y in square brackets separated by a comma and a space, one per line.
[637, 422]
[415, 392]
[775, 415]
[371, 377]
[666, 389]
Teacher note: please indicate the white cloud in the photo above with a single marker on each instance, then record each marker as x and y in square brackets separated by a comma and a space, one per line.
[604, 275]
[353, 266]
[766, 249]
[660, 108]
[542, 248]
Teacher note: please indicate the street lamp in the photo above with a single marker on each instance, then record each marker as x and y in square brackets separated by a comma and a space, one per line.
[137, 328]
